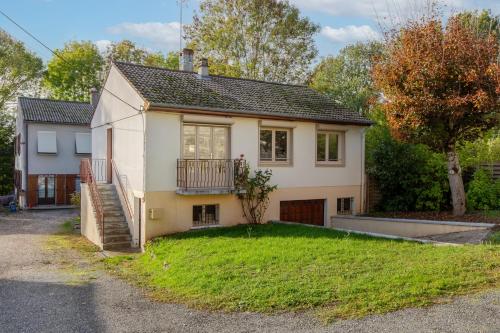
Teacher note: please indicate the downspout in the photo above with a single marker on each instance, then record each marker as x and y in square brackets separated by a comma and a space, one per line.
[143, 117]
[25, 176]
[362, 173]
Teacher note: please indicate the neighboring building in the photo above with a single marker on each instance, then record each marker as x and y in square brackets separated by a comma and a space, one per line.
[51, 138]
[173, 139]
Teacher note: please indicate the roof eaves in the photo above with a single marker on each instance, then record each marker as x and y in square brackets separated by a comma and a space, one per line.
[187, 108]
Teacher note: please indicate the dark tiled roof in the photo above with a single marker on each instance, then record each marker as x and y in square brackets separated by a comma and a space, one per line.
[54, 111]
[170, 88]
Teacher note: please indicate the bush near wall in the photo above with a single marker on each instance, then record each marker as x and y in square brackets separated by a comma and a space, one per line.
[410, 177]
[482, 192]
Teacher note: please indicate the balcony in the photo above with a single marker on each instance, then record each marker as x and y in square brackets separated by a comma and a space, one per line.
[216, 176]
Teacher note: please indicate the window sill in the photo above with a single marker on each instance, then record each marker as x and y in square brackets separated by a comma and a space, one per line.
[275, 164]
[339, 164]
[206, 226]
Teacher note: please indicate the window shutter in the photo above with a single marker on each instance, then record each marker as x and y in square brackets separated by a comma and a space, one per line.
[83, 144]
[47, 142]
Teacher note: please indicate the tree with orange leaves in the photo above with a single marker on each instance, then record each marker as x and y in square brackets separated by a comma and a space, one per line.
[442, 85]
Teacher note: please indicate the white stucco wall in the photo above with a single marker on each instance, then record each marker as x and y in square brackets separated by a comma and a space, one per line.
[118, 109]
[66, 161]
[163, 149]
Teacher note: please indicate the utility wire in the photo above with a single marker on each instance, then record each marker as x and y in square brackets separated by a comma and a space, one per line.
[62, 58]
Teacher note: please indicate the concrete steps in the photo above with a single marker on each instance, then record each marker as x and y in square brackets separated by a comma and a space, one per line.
[116, 232]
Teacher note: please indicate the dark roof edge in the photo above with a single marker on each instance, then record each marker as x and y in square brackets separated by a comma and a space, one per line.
[56, 122]
[252, 114]
[54, 100]
[113, 63]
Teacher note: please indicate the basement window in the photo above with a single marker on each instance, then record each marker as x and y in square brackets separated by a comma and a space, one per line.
[47, 142]
[205, 215]
[345, 206]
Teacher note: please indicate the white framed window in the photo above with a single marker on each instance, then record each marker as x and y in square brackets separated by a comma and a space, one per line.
[205, 141]
[330, 148]
[345, 206]
[205, 215]
[82, 143]
[47, 142]
[275, 146]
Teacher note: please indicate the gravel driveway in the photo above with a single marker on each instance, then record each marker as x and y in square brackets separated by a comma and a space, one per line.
[38, 295]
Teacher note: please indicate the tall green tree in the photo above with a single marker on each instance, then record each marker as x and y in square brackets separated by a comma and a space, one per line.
[255, 39]
[18, 68]
[484, 22]
[128, 51]
[74, 71]
[347, 77]
[6, 153]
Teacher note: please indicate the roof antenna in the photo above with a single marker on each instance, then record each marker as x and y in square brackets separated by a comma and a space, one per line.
[181, 4]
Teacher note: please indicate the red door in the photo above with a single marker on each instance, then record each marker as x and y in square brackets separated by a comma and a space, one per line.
[303, 211]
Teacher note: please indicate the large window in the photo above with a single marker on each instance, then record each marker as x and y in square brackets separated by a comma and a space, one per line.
[205, 142]
[46, 189]
[329, 148]
[275, 145]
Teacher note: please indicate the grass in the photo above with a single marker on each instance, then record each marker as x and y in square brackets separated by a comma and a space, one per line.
[268, 268]
[74, 254]
[494, 238]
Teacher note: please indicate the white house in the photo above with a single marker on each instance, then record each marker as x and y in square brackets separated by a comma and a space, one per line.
[169, 140]
[51, 138]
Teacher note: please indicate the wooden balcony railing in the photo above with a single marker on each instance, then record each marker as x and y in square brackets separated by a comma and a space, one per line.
[214, 174]
[87, 176]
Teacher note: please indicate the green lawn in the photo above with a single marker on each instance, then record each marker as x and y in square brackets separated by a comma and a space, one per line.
[276, 267]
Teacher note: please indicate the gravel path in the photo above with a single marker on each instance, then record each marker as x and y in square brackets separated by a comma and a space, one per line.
[37, 295]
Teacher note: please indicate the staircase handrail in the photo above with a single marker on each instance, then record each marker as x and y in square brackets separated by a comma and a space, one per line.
[87, 176]
[122, 188]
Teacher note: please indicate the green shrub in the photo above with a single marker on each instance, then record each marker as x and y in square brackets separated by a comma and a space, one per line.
[410, 177]
[75, 199]
[482, 192]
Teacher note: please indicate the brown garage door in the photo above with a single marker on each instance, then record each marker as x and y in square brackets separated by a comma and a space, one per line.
[303, 211]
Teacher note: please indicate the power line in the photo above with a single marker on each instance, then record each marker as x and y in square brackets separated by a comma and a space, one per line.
[61, 57]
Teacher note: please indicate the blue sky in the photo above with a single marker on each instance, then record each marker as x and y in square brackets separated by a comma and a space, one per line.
[154, 24]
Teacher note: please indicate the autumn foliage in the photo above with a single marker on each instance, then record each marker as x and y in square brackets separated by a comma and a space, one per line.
[442, 85]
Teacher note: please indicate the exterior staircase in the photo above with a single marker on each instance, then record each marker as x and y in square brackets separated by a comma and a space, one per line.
[116, 232]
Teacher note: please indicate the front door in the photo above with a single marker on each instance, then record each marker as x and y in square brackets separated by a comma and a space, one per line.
[46, 189]
[109, 155]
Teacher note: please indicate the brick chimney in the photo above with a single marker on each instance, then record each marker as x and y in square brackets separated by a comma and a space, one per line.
[203, 70]
[186, 63]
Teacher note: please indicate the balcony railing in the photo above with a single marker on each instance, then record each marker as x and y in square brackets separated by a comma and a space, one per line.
[208, 176]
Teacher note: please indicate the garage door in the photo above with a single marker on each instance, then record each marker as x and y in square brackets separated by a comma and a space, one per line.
[303, 211]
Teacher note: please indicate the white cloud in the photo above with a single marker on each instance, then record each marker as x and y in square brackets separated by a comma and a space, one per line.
[381, 8]
[103, 45]
[350, 33]
[162, 35]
